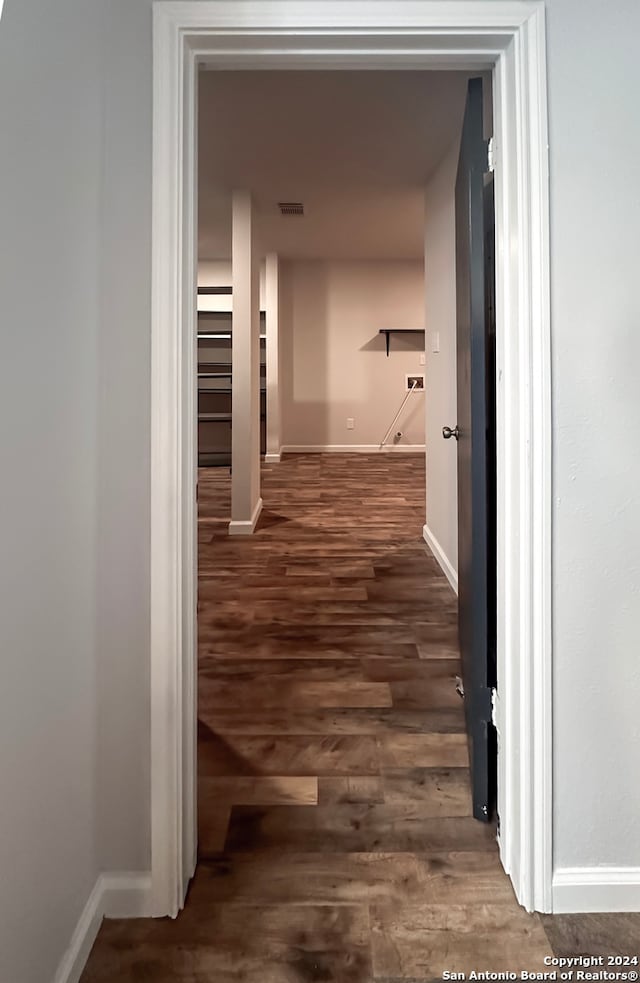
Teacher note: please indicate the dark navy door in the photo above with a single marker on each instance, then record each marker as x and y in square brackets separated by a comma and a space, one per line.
[475, 440]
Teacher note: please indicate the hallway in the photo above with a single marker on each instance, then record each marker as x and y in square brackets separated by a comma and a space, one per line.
[336, 842]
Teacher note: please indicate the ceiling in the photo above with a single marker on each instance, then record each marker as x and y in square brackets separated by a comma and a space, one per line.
[355, 147]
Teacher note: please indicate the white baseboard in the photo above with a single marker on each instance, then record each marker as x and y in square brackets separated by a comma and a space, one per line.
[584, 889]
[442, 558]
[84, 934]
[353, 449]
[127, 895]
[116, 895]
[245, 527]
[273, 457]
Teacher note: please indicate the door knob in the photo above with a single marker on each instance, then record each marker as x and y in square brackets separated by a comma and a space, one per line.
[448, 433]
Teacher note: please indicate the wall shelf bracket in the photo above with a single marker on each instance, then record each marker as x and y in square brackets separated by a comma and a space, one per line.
[387, 332]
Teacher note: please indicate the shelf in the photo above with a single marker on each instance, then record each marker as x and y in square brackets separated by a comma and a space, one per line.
[214, 417]
[387, 332]
[220, 336]
[215, 376]
[226, 391]
[226, 315]
[219, 417]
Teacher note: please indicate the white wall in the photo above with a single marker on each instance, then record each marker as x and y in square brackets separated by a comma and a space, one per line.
[440, 395]
[50, 181]
[214, 273]
[595, 216]
[123, 564]
[334, 361]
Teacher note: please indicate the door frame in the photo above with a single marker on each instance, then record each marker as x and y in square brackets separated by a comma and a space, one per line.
[508, 37]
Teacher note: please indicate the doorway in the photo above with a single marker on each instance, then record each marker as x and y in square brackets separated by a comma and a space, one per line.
[184, 37]
[355, 151]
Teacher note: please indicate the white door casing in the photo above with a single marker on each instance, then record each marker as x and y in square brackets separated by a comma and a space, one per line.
[509, 38]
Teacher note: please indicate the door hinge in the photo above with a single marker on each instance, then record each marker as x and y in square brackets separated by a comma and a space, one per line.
[491, 156]
[494, 707]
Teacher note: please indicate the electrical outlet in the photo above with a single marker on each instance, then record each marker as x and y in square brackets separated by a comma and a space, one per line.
[350, 423]
[418, 380]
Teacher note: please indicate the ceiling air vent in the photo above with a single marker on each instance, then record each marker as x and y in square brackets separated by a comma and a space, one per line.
[291, 207]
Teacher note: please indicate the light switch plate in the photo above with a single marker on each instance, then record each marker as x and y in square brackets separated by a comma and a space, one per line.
[422, 358]
[435, 341]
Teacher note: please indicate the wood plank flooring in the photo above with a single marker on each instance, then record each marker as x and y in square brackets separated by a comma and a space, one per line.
[336, 838]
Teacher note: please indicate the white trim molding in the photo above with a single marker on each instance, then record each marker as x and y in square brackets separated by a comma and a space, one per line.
[246, 527]
[584, 889]
[273, 458]
[353, 449]
[439, 554]
[115, 895]
[508, 38]
[126, 894]
[84, 935]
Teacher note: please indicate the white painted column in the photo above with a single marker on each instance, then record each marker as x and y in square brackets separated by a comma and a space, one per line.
[246, 503]
[272, 310]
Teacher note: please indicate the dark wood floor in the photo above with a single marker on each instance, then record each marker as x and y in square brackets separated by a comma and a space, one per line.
[336, 838]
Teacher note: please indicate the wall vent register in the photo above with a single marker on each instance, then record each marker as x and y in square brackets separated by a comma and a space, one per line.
[291, 207]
